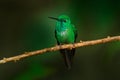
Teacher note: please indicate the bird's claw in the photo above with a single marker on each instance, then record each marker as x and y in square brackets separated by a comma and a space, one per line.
[73, 46]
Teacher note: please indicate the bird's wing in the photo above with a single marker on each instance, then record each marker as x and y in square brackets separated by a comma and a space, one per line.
[56, 37]
[75, 31]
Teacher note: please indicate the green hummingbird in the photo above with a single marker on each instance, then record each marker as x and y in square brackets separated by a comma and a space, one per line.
[65, 33]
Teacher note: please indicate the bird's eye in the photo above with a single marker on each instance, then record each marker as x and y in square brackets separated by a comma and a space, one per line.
[64, 20]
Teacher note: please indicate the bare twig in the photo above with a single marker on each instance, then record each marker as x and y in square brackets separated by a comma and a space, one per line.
[55, 48]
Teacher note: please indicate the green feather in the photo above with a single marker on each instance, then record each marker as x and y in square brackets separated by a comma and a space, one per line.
[65, 33]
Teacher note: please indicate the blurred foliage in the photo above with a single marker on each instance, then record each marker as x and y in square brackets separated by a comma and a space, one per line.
[25, 26]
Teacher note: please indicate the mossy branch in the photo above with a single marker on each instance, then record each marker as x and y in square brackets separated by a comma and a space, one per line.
[56, 48]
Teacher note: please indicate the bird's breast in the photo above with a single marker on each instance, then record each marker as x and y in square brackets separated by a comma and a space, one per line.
[65, 36]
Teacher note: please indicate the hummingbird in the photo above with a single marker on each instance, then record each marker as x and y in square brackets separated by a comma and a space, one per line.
[65, 33]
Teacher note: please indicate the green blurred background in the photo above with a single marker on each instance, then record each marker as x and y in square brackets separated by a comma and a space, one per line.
[25, 26]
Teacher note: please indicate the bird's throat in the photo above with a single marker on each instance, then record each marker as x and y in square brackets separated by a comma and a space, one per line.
[61, 27]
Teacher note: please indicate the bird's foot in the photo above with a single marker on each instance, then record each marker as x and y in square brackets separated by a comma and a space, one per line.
[60, 45]
[73, 46]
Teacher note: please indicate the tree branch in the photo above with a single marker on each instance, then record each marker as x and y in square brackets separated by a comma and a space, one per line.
[55, 48]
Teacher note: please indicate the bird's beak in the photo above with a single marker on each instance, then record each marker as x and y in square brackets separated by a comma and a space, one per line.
[54, 18]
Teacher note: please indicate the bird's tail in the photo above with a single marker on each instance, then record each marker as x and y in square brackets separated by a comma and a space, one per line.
[68, 56]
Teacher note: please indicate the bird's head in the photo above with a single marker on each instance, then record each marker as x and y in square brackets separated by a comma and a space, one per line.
[62, 18]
